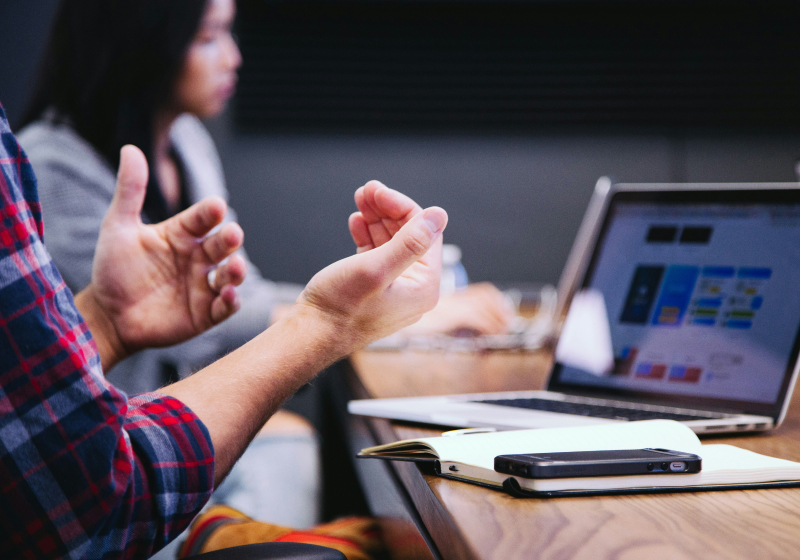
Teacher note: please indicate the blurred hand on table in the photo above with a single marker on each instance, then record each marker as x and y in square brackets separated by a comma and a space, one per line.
[478, 309]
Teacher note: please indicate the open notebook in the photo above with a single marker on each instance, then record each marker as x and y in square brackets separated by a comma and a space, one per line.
[470, 458]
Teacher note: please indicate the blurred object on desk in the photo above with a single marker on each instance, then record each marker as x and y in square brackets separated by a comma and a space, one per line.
[530, 329]
[454, 275]
[585, 340]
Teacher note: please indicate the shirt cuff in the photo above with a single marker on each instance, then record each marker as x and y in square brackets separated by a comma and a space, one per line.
[176, 457]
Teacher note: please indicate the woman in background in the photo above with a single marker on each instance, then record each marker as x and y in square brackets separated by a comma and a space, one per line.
[144, 72]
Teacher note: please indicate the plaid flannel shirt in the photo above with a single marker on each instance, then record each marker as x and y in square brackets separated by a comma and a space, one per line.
[86, 472]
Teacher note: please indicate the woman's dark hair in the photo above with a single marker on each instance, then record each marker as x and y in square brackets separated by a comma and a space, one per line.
[109, 67]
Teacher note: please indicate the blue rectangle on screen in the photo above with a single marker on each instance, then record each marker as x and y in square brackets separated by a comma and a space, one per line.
[758, 273]
[738, 324]
[704, 321]
[718, 271]
[709, 302]
[756, 302]
[677, 372]
[676, 292]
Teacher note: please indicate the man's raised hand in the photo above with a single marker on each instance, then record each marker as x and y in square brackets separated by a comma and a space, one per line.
[150, 283]
[392, 280]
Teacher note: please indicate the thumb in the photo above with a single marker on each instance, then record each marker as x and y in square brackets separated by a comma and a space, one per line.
[410, 244]
[131, 188]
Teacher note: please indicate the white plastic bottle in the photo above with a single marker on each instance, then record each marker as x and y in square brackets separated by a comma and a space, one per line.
[454, 275]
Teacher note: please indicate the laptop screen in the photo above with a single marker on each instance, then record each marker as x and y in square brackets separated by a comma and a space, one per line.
[700, 291]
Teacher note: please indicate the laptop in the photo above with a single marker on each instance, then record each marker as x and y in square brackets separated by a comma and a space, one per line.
[689, 310]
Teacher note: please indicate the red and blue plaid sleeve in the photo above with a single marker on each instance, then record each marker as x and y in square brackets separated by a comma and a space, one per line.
[85, 471]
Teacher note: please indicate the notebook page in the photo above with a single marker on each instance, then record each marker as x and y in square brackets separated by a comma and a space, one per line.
[481, 449]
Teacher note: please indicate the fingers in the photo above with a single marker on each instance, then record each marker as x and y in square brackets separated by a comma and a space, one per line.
[377, 201]
[365, 202]
[384, 210]
[225, 279]
[200, 218]
[394, 205]
[359, 230]
[223, 243]
[409, 245]
[225, 304]
[126, 206]
[231, 273]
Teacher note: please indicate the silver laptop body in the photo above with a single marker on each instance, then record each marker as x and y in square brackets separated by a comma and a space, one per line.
[699, 286]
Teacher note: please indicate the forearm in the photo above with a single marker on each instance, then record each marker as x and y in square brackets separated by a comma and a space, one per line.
[235, 396]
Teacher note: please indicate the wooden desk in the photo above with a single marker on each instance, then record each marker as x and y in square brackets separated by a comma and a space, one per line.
[468, 522]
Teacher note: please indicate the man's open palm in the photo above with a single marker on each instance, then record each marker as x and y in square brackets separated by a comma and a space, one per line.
[151, 281]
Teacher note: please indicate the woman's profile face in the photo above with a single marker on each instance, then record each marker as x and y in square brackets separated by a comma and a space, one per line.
[208, 77]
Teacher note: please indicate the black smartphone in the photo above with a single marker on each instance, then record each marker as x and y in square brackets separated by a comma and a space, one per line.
[598, 463]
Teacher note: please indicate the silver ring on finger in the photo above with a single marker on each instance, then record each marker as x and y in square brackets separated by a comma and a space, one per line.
[212, 279]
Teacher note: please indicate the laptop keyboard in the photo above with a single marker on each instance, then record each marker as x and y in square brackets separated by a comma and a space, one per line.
[599, 411]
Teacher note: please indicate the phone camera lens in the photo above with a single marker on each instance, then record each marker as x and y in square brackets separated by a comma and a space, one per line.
[664, 466]
[650, 466]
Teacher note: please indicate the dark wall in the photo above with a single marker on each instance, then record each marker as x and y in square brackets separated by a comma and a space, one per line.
[23, 29]
[515, 199]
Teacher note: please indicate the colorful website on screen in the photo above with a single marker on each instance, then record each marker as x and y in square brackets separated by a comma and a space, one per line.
[702, 300]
